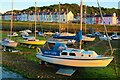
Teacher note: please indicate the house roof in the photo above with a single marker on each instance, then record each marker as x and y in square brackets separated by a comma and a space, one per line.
[107, 15]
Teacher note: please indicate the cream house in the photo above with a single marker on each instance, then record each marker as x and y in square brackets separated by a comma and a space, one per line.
[69, 16]
[0, 16]
[114, 19]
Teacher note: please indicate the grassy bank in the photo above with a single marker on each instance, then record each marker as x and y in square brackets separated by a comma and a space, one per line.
[17, 26]
[30, 69]
[28, 65]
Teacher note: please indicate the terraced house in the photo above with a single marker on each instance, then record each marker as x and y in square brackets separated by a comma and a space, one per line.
[0, 16]
[64, 16]
[108, 19]
[41, 16]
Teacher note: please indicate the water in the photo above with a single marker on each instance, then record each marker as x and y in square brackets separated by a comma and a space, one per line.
[4, 73]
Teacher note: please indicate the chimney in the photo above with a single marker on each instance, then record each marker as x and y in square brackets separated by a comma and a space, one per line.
[114, 14]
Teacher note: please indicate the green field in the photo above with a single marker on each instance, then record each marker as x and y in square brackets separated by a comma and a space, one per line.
[17, 26]
[28, 65]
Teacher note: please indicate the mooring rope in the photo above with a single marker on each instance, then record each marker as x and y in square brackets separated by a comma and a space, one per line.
[94, 44]
[105, 28]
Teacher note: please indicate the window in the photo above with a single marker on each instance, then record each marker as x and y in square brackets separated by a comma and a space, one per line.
[72, 54]
[64, 53]
[89, 55]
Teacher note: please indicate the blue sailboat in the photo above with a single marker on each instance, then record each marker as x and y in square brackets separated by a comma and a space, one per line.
[9, 43]
[70, 36]
[60, 54]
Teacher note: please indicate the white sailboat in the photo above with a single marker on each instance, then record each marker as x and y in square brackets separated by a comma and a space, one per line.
[71, 36]
[61, 55]
[9, 42]
[33, 41]
[105, 36]
[64, 41]
[86, 38]
[63, 34]
[25, 33]
[13, 34]
[115, 36]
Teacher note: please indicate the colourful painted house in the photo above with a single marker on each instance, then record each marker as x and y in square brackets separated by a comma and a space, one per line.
[108, 19]
[0, 16]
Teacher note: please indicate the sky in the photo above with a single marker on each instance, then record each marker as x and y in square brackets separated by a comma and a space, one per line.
[6, 5]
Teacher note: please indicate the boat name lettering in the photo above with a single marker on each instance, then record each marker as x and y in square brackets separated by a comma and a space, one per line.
[47, 52]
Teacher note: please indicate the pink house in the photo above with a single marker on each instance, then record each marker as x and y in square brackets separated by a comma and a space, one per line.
[108, 19]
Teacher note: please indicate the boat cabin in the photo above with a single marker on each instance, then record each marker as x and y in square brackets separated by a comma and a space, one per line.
[59, 49]
[76, 53]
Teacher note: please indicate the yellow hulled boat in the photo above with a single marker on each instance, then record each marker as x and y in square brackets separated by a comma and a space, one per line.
[33, 42]
[48, 33]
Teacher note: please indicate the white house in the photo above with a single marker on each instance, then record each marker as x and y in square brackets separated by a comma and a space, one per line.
[70, 16]
[24, 16]
[42, 16]
[0, 16]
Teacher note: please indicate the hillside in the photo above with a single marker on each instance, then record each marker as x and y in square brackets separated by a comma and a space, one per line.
[74, 8]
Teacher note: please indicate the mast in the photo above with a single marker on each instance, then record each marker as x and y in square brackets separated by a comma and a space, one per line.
[11, 21]
[35, 18]
[67, 19]
[85, 19]
[29, 19]
[105, 29]
[80, 23]
[59, 17]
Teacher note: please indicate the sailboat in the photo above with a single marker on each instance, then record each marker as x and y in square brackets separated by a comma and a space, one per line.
[8, 42]
[62, 37]
[60, 54]
[105, 36]
[13, 34]
[72, 37]
[33, 40]
[115, 36]
[25, 33]
[85, 37]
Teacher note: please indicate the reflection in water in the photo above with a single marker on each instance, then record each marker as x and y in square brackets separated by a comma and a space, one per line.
[9, 74]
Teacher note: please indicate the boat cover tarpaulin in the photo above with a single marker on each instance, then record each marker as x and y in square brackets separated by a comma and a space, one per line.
[78, 36]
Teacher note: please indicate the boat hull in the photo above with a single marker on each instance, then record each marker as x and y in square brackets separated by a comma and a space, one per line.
[9, 44]
[102, 62]
[84, 38]
[64, 41]
[41, 42]
[64, 37]
[48, 33]
[13, 35]
[116, 37]
[104, 37]
[88, 39]
[53, 42]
